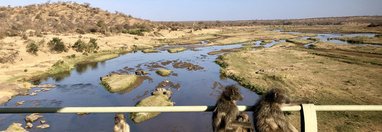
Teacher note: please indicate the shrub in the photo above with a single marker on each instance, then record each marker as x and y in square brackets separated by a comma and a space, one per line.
[24, 36]
[134, 32]
[79, 45]
[57, 45]
[93, 30]
[32, 48]
[92, 45]
[80, 31]
[8, 57]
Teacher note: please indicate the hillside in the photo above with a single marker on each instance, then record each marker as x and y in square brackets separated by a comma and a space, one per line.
[66, 17]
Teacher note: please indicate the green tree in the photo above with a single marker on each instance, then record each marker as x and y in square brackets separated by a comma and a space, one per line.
[56, 45]
[32, 48]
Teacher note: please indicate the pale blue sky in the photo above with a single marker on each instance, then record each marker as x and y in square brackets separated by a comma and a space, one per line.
[184, 10]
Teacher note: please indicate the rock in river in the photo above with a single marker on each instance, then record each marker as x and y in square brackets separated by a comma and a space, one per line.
[15, 127]
[28, 125]
[32, 117]
[140, 72]
[176, 50]
[150, 51]
[163, 72]
[20, 103]
[121, 82]
[43, 126]
[160, 97]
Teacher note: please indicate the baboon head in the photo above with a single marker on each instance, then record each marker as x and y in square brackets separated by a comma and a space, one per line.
[277, 95]
[232, 93]
[243, 117]
[118, 118]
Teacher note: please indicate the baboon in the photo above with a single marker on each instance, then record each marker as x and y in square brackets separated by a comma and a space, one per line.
[242, 123]
[267, 114]
[120, 124]
[226, 112]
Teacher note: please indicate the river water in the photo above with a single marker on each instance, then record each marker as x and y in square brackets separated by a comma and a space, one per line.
[82, 88]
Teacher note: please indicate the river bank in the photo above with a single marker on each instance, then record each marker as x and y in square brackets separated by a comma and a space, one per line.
[328, 73]
[21, 67]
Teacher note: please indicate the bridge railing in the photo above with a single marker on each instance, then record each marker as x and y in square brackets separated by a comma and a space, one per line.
[308, 111]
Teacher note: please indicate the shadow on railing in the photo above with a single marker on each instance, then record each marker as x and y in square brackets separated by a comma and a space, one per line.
[308, 111]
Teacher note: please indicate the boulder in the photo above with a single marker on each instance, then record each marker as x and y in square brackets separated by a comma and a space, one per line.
[32, 117]
[43, 126]
[28, 125]
[33, 94]
[15, 127]
[20, 103]
[159, 98]
[121, 82]
[150, 51]
[163, 72]
[42, 121]
[176, 50]
[140, 72]
[142, 47]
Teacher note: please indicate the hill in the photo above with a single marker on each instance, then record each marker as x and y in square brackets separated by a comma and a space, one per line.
[66, 17]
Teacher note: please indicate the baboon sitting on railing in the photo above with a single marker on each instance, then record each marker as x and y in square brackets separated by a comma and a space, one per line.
[226, 114]
[267, 114]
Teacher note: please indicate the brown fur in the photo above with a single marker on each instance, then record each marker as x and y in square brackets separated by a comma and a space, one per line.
[120, 124]
[242, 123]
[226, 110]
[268, 116]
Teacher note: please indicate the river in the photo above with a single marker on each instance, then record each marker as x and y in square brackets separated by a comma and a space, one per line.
[82, 88]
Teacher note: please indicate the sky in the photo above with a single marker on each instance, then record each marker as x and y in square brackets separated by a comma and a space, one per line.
[192, 10]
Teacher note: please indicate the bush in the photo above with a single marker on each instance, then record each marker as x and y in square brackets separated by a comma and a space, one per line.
[8, 57]
[79, 46]
[134, 32]
[92, 45]
[57, 45]
[32, 48]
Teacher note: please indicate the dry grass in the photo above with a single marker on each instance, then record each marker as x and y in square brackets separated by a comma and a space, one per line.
[67, 17]
[346, 28]
[299, 41]
[230, 35]
[361, 40]
[313, 78]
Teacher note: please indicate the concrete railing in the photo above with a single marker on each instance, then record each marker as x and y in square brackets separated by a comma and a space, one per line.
[308, 111]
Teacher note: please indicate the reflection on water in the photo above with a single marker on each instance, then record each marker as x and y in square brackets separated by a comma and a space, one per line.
[81, 68]
[82, 87]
